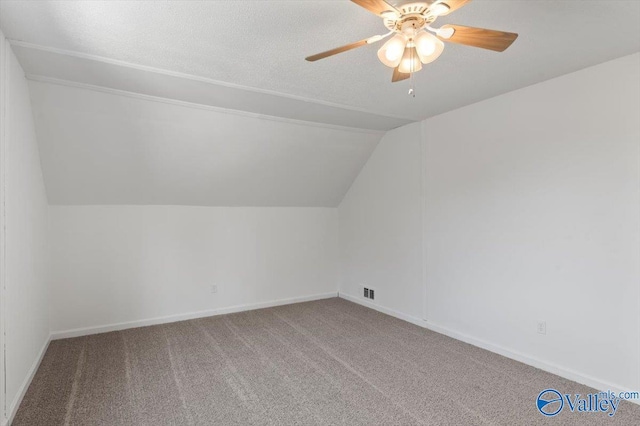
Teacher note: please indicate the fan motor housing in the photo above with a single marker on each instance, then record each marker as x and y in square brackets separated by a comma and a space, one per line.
[413, 16]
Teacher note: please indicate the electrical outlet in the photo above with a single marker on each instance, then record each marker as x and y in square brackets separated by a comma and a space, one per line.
[214, 289]
[542, 327]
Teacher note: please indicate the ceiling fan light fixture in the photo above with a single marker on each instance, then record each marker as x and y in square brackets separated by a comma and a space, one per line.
[411, 46]
[391, 52]
[410, 62]
[439, 9]
[428, 46]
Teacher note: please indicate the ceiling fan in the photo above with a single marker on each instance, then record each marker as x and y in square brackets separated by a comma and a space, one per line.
[415, 41]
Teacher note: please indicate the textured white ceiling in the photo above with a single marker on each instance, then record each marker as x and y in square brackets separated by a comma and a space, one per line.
[104, 148]
[262, 44]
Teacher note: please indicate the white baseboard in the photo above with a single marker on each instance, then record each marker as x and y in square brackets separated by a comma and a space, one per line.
[77, 332]
[391, 312]
[549, 367]
[13, 408]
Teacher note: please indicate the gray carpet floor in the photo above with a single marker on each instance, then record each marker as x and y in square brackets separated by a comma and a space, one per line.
[329, 362]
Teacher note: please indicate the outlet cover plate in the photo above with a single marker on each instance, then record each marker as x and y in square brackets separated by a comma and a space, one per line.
[542, 327]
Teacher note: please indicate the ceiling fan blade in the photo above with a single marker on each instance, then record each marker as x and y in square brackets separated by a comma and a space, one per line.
[454, 5]
[337, 50]
[376, 6]
[479, 37]
[399, 76]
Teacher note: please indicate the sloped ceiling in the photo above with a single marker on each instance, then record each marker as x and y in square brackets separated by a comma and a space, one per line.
[105, 148]
[212, 103]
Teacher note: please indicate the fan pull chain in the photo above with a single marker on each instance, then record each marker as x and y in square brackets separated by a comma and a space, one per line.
[412, 91]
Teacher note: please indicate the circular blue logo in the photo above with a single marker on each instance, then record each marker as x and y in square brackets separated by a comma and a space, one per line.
[550, 402]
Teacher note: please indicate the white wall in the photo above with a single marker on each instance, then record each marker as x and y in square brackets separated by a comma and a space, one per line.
[532, 213]
[115, 264]
[380, 225]
[25, 296]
